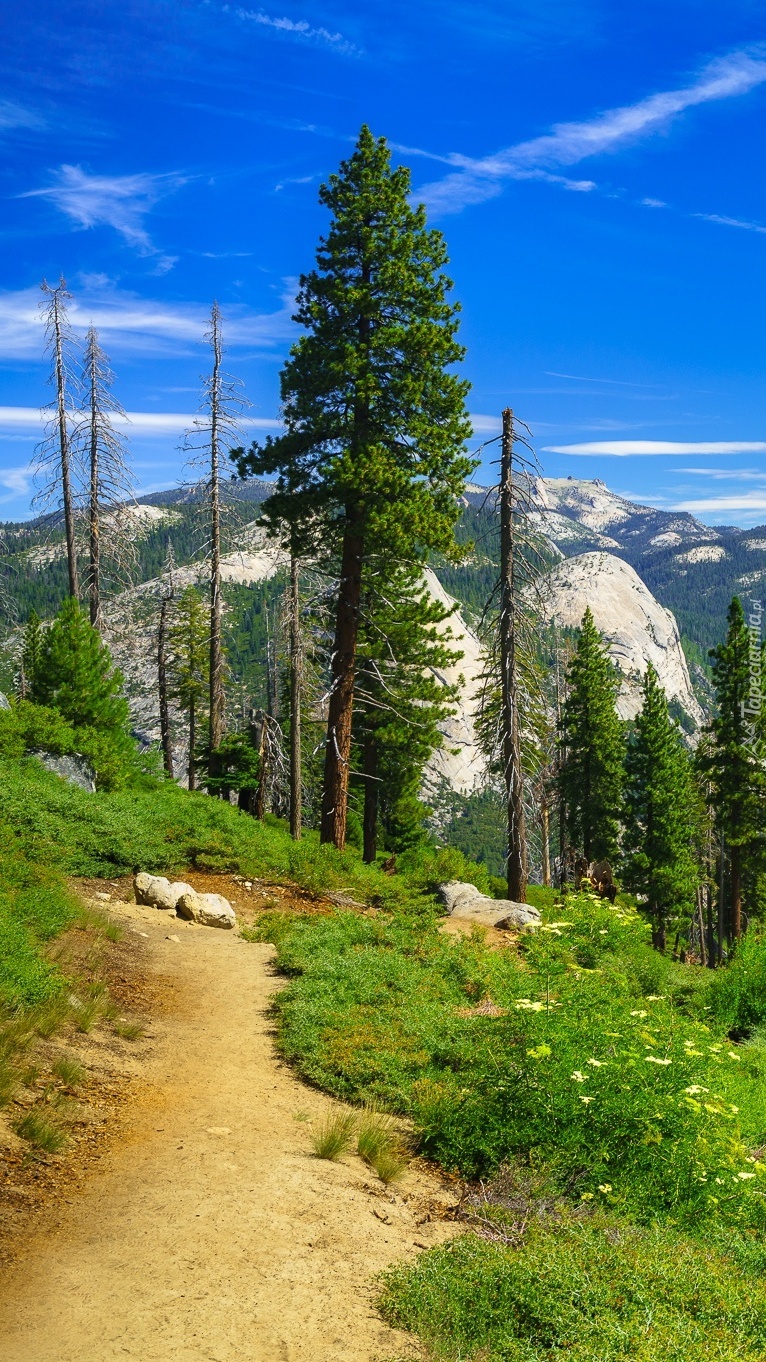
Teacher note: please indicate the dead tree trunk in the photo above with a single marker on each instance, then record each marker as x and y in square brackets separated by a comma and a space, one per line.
[259, 801]
[545, 825]
[55, 323]
[192, 779]
[517, 841]
[162, 688]
[296, 687]
[340, 710]
[94, 525]
[216, 649]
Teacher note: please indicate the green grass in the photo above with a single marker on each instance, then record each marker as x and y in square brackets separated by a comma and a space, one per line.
[602, 1291]
[334, 1136]
[69, 1070]
[41, 1131]
[380, 1145]
[600, 1059]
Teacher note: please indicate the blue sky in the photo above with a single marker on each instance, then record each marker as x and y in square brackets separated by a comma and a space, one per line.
[597, 169]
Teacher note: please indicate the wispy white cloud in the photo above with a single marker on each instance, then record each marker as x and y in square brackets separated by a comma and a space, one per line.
[118, 201]
[613, 382]
[136, 423]
[129, 324]
[480, 178]
[731, 222]
[15, 116]
[299, 29]
[751, 502]
[726, 474]
[17, 482]
[622, 449]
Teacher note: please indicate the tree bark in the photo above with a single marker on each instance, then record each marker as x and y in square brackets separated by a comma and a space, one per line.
[370, 821]
[192, 744]
[296, 669]
[64, 455]
[711, 951]
[735, 864]
[340, 710]
[216, 652]
[545, 823]
[517, 841]
[162, 688]
[721, 899]
[94, 565]
[259, 801]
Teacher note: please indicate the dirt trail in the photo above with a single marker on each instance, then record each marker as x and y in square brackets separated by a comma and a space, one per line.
[211, 1234]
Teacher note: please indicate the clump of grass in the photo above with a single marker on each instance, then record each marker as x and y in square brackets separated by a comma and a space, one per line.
[335, 1136]
[97, 920]
[378, 1143]
[97, 1007]
[69, 1070]
[41, 1131]
[129, 1030]
[390, 1164]
[49, 1016]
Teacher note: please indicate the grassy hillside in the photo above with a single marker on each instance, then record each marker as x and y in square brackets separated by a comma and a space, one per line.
[589, 1091]
[610, 1130]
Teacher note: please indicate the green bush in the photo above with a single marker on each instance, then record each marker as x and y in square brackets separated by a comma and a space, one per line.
[737, 994]
[34, 907]
[601, 1291]
[577, 1065]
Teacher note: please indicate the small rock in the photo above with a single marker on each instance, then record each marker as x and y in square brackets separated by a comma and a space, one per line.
[173, 938]
[99, 894]
[157, 892]
[217, 1130]
[466, 901]
[210, 910]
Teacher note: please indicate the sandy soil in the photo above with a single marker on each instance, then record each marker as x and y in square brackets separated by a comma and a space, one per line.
[210, 1233]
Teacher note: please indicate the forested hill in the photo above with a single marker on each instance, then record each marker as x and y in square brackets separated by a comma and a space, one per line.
[691, 568]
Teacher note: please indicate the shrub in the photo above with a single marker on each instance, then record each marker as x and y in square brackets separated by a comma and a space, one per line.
[737, 994]
[597, 1292]
[571, 1066]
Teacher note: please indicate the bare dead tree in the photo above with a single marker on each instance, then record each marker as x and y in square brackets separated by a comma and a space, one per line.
[55, 459]
[110, 481]
[509, 713]
[515, 719]
[296, 677]
[215, 433]
[163, 693]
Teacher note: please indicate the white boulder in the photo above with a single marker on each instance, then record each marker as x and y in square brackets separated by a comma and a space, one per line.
[209, 910]
[466, 901]
[157, 892]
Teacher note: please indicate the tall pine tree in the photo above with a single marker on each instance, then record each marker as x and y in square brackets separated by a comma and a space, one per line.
[376, 425]
[660, 813]
[735, 764]
[591, 774]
